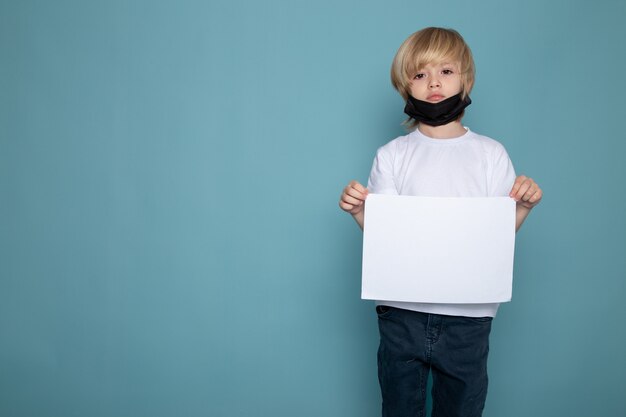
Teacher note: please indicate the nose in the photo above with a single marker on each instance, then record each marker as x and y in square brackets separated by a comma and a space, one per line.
[434, 82]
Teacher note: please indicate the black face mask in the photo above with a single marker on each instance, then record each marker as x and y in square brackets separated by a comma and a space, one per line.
[436, 114]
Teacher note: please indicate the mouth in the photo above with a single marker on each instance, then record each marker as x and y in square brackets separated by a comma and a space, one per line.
[435, 97]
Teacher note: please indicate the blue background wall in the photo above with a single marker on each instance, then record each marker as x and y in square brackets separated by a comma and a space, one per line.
[170, 241]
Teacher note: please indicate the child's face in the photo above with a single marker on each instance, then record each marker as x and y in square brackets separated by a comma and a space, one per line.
[436, 82]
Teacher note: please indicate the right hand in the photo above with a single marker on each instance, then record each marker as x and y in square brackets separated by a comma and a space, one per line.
[353, 198]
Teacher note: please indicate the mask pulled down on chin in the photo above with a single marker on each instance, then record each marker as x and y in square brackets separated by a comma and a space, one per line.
[436, 114]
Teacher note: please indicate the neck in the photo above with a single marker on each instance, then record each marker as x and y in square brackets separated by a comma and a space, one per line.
[447, 131]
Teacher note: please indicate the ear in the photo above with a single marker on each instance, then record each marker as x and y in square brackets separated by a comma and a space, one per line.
[468, 84]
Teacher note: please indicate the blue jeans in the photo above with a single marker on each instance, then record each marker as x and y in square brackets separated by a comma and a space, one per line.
[454, 348]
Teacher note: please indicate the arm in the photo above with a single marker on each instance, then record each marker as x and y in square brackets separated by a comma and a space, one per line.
[527, 194]
[353, 201]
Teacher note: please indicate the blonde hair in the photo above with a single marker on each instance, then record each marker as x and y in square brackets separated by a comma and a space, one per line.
[432, 46]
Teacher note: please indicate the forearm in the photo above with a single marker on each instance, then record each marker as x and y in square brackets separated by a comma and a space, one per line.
[527, 194]
[359, 218]
[521, 213]
[352, 200]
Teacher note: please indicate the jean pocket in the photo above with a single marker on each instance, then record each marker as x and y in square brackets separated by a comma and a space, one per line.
[383, 311]
[481, 319]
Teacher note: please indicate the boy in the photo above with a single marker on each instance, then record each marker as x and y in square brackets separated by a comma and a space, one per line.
[434, 72]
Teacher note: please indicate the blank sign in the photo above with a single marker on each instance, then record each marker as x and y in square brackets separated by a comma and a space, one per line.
[438, 250]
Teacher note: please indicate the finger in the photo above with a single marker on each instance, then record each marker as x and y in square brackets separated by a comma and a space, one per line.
[536, 197]
[533, 200]
[357, 186]
[351, 200]
[355, 193]
[523, 188]
[532, 189]
[345, 206]
[517, 184]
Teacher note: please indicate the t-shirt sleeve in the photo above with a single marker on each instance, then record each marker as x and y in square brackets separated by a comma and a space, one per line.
[381, 180]
[502, 174]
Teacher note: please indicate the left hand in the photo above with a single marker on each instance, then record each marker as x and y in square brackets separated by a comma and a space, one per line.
[526, 192]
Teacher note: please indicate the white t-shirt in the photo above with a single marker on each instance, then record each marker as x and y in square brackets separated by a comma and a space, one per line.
[468, 166]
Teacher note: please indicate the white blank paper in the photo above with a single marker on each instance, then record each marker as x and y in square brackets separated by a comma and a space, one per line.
[438, 250]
